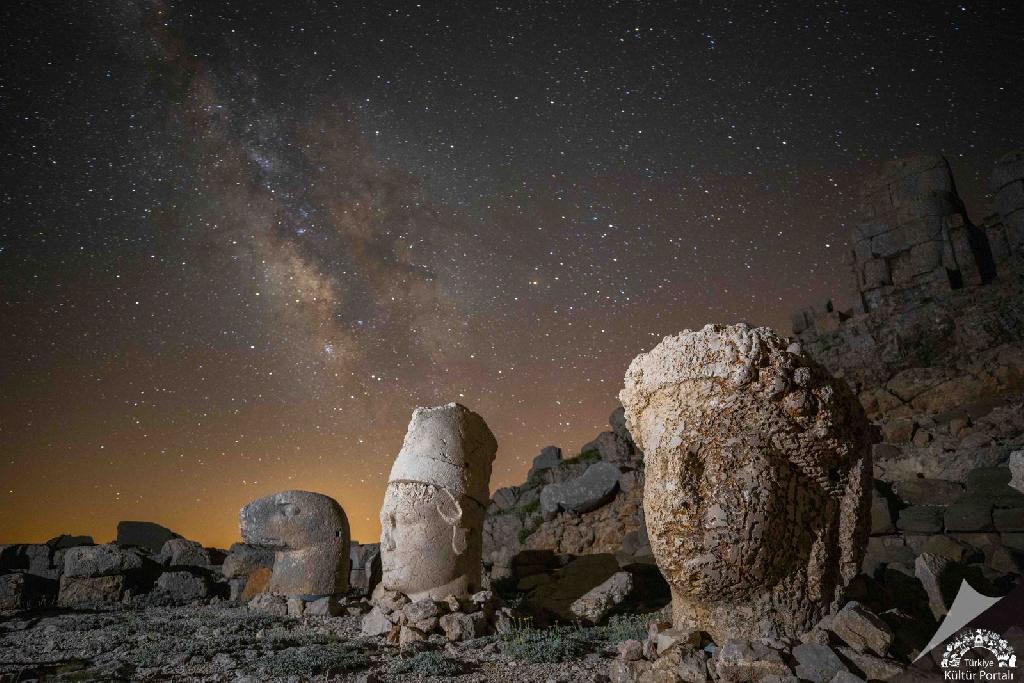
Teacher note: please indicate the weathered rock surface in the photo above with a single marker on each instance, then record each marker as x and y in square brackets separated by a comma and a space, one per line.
[180, 552]
[433, 512]
[754, 457]
[595, 487]
[100, 560]
[309, 533]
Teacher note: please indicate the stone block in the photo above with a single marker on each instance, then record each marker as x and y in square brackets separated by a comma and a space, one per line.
[969, 514]
[924, 519]
[78, 591]
[1011, 519]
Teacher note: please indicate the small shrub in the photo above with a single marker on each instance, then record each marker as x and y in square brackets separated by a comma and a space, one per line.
[427, 664]
[528, 531]
[541, 646]
[622, 627]
[318, 659]
[531, 507]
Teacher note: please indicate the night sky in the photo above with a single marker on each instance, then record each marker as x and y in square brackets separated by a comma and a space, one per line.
[241, 241]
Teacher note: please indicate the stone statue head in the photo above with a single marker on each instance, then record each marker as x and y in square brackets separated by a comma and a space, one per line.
[433, 511]
[310, 535]
[757, 479]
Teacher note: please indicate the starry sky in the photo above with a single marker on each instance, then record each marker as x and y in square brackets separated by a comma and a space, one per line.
[241, 241]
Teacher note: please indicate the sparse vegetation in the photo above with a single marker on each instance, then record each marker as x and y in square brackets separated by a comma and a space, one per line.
[427, 664]
[317, 659]
[540, 646]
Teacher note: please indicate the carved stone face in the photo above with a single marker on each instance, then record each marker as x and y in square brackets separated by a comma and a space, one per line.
[738, 525]
[430, 543]
[757, 470]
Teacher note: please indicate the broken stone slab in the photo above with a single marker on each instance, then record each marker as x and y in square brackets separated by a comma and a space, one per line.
[100, 560]
[589, 491]
[309, 534]
[748, 660]
[33, 558]
[817, 663]
[845, 676]
[79, 591]
[148, 535]
[594, 606]
[180, 552]
[326, 606]
[938, 577]
[871, 667]
[861, 629]
[270, 604]
[881, 513]
[550, 456]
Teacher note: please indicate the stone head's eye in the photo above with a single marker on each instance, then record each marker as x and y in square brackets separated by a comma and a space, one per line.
[289, 510]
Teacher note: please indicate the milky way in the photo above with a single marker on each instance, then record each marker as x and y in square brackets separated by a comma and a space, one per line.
[242, 241]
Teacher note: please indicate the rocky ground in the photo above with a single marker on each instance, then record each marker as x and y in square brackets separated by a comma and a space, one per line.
[224, 642]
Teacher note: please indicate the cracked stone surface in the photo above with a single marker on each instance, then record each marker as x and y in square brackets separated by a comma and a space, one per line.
[433, 512]
[309, 533]
[758, 479]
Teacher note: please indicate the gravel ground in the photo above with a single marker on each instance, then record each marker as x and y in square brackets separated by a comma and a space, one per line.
[229, 643]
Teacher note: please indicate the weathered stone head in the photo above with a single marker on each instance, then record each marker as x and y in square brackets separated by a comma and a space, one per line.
[433, 512]
[757, 479]
[310, 535]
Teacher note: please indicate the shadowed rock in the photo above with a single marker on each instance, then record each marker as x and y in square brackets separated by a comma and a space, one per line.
[310, 536]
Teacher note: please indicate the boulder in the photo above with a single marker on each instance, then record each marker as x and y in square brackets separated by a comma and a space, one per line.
[270, 604]
[550, 456]
[748, 660]
[100, 560]
[595, 487]
[179, 552]
[183, 586]
[148, 535]
[376, 623]
[817, 663]
[81, 591]
[458, 626]
[595, 605]
[611, 447]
